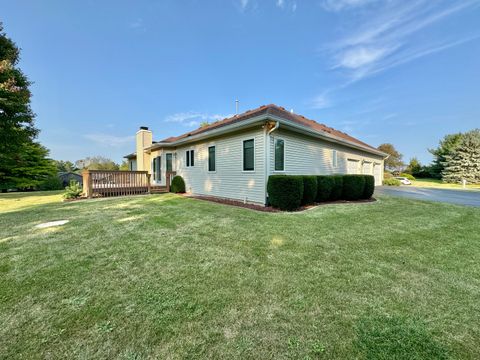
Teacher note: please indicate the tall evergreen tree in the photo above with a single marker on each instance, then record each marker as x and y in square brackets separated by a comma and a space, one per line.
[17, 128]
[464, 161]
[445, 148]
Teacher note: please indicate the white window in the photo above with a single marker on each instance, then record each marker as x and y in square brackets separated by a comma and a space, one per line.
[190, 158]
[279, 155]
[249, 155]
[334, 158]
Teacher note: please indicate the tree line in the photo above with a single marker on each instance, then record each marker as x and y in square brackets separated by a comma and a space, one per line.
[456, 158]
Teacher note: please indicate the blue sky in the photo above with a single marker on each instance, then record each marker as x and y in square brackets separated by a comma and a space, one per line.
[405, 72]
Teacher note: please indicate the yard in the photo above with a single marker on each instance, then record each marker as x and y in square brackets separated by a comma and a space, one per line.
[436, 183]
[163, 276]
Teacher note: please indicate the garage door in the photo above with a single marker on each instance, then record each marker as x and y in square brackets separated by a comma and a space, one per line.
[367, 168]
[353, 166]
[377, 172]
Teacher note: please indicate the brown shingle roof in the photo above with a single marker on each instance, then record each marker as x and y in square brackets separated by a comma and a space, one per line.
[275, 110]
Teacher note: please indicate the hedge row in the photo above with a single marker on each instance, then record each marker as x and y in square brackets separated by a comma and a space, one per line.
[288, 192]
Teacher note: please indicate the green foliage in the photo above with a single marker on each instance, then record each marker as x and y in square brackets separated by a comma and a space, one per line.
[464, 161]
[413, 167]
[73, 191]
[51, 183]
[285, 191]
[325, 184]
[396, 337]
[96, 163]
[387, 175]
[65, 166]
[445, 148]
[408, 176]
[178, 185]
[124, 166]
[17, 130]
[353, 187]
[337, 189]
[394, 161]
[309, 189]
[28, 168]
[369, 188]
[391, 182]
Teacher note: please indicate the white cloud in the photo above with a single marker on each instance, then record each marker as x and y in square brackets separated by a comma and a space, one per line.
[243, 4]
[388, 37]
[138, 25]
[339, 5]
[192, 118]
[108, 140]
[280, 3]
[320, 101]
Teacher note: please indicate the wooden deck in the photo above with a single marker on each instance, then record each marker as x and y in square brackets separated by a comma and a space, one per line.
[100, 183]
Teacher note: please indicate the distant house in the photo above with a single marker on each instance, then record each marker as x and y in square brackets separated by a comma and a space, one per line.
[65, 178]
[234, 157]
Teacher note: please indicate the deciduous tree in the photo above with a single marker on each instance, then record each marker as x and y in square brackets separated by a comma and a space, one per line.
[394, 161]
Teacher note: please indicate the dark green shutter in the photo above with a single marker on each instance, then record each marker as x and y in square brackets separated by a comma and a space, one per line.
[279, 155]
[192, 160]
[211, 158]
[248, 155]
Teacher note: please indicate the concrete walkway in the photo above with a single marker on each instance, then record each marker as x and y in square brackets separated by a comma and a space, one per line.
[460, 197]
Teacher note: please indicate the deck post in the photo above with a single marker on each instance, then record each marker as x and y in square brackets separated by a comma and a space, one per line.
[87, 183]
[149, 185]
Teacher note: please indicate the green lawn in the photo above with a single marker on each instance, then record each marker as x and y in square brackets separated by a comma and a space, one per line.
[168, 277]
[435, 183]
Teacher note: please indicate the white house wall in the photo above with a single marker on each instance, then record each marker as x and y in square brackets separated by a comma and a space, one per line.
[228, 180]
[310, 156]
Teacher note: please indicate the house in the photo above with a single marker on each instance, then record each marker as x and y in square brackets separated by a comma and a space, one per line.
[234, 157]
[66, 177]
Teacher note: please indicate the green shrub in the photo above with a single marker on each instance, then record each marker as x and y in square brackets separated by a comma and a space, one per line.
[309, 189]
[369, 186]
[73, 191]
[178, 185]
[408, 176]
[337, 188]
[392, 182]
[325, 184]
[353, 187]
[51, 183]
[285, 192]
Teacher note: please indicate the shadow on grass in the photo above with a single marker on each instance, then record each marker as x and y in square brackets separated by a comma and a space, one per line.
[396, 337]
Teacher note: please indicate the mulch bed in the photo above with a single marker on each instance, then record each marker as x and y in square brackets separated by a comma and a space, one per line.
[269, 208]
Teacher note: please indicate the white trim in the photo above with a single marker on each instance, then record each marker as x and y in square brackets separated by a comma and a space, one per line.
[275, 154]
[243, 155]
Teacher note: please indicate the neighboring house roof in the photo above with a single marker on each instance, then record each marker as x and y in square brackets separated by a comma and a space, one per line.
[131, 156]
[274, 112]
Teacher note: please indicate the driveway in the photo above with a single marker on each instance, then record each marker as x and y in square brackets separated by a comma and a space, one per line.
[460, 197]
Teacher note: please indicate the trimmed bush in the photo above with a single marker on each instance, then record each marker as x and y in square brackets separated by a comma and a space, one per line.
[369, 187]
[309, 189]
[337, 188]
[285, 192]
[353, 187]
[73, 191]
[325, 184]
[408, 176]
[392, 182]
[178, 185]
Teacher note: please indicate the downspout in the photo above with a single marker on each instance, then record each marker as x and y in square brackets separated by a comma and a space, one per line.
[267, 154]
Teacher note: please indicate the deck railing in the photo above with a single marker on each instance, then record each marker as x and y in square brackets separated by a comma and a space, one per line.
[101, 183]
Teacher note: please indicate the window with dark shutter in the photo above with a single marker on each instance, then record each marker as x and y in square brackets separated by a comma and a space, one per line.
[279, 155]
[192, 158]
[211, 158]
[248, 155]
[187, 157]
